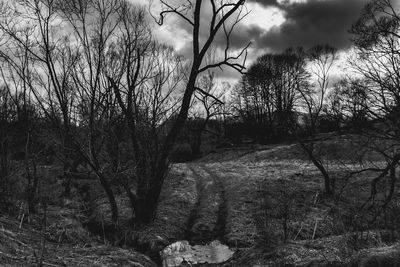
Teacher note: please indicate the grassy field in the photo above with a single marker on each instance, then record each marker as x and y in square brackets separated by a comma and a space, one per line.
[265, 202]
[273, 211]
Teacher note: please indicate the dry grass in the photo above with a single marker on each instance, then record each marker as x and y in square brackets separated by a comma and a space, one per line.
[34, 244]
[275, 212]
[275, 187]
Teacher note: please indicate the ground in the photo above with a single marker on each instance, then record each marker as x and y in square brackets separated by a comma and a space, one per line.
[264, 202]
[62, 242]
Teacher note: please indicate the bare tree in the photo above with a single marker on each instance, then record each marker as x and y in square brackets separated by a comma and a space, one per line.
[349, 102]
[109, 57]
[154, 169]
[5, 163]
[208, 104]
[270, 90]
[257, 92]
[93, 24]
[322, 58]
[28, 27]
[62, 68]
[313, 96]
[17, 63]
[376, 38]
[145, 78]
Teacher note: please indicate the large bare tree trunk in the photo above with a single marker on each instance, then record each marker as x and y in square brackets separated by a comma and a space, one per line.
[146, 204]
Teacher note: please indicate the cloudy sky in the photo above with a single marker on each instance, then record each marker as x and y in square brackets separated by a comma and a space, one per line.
[274, 25]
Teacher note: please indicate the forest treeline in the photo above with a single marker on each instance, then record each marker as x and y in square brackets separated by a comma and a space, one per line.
[86, 86]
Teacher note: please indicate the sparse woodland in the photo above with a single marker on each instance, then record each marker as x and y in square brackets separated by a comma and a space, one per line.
[113, 145]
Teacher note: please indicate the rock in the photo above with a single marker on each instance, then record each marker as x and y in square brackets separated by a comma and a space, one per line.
[181, 251]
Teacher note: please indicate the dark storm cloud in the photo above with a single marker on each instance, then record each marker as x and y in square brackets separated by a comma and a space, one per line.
[266, 2]
[306, 24]
[312, 22]
[240, 37]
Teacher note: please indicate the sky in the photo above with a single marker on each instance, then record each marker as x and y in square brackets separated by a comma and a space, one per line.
[274, 25]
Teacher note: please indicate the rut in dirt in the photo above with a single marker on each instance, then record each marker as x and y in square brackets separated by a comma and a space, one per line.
[208, 219]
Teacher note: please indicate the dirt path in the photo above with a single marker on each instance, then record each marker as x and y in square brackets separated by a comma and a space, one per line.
[208, 219]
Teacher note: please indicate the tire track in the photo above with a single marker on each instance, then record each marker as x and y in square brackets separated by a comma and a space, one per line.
[223, 209]
[208, 220]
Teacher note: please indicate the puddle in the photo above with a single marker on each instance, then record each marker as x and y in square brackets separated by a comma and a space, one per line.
[179, 252]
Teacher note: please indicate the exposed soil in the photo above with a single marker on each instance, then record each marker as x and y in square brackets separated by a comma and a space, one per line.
[209, 218]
